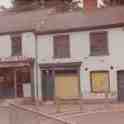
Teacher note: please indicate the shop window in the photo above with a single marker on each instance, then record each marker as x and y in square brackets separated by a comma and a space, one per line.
[99, 82]
[23, 76]
[61, 46]
[98, 43]
[16, 41]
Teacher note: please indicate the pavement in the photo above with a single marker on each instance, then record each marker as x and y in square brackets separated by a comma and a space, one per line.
[90, 114]
[105, 113]
[4, 115]
[99, 118]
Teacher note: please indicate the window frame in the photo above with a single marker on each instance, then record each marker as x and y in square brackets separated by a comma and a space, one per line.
[16, 48]
[56, 39]
[96, 36]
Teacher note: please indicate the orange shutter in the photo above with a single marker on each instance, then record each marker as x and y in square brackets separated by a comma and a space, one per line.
[66, 86]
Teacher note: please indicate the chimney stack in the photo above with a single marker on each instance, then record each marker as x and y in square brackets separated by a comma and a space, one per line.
[90, 5]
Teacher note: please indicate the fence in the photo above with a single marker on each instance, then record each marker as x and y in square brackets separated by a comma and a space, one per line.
[21, 115]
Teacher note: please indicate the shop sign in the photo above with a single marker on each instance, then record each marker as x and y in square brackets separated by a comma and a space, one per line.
[14, 59]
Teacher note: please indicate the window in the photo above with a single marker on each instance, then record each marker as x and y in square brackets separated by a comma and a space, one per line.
[98, 43]
[16, 45]
[117, 2]
[61, 46]
[99, 81]
[103, 3]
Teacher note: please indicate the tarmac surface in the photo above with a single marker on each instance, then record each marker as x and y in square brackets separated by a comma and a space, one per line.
[95, 115]
[100, 118]
[4, 115]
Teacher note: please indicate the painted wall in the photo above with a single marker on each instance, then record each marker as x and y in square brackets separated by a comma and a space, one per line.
[80, 50]
[28, 44]
[5, 46]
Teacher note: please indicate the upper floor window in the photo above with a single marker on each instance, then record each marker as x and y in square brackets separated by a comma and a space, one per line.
[98, 43]
[61, 46]
[105, 3]
[16, 41]
[116, 2]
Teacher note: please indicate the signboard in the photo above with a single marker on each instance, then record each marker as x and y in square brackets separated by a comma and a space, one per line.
[15, 59]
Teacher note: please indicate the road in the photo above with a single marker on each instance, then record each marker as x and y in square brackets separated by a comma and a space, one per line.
[4, 115]
[100, 118]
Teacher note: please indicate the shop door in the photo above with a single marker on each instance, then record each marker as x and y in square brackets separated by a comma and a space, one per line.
[67, 85]
[47, 85]
[99, 82]
[120, 78]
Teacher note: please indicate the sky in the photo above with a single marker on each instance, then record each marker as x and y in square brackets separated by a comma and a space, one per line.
[6, 3]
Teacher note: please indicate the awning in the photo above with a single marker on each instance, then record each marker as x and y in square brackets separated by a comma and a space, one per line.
[60, 66]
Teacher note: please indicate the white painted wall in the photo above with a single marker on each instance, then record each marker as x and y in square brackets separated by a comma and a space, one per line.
[5, 46]
[28, 44]
[79, 43]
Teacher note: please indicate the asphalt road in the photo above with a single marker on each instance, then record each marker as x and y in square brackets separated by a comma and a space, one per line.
[100, 118]
[4, 115]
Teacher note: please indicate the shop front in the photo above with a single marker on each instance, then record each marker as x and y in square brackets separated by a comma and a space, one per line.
[61, 80]
[16, 77]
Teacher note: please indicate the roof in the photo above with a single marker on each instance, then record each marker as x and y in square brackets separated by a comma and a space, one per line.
[21, 21]
[42, 21]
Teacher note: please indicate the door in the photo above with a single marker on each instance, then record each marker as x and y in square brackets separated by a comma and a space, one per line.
[120, 78]
[99, 82]
[19, 83]
[47, 85]
[67, 85]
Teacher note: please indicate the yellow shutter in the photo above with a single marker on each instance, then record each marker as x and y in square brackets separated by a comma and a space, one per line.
[66, 85]
[99, 81]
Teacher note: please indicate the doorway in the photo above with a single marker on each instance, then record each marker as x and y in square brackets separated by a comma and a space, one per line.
[120, 80]
[6, 83]
[47, 85]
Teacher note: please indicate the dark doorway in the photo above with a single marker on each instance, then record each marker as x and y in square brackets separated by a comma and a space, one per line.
[120, 79]
[47, 85]
[6, 83]
[22, 77]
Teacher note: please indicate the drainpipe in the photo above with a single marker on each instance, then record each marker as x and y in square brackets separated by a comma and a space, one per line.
[36, 69]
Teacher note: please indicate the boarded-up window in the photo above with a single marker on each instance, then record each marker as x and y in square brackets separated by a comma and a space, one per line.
[61, 46]
[99, 82]
[16, 42]
[98, 43]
